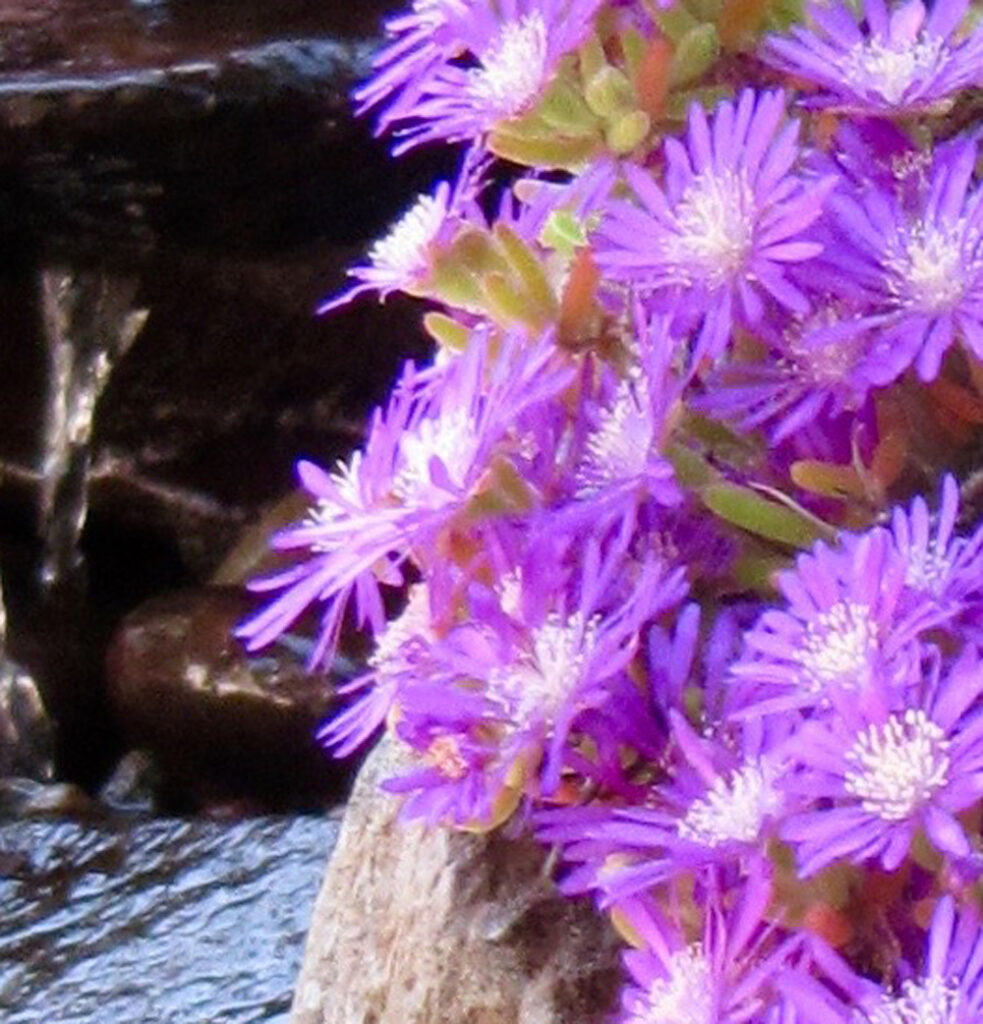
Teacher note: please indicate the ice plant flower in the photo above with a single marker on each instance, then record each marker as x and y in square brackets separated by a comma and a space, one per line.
[814, 370]
[715, 808]
[939, 565]
[724, 976]
[913, 758]
[422, 463]
[423, 38]
[939, 984]
[843, 628]
[511, 50]
[903, 57]
[620, 463]
[923, 266]
[717, 240]
[402, 259]
[400, 652]
[511, 687]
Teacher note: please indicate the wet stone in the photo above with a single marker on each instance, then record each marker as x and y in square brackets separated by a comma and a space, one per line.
[131, 787]
[218, 722]
[26, 732]
[166, 920]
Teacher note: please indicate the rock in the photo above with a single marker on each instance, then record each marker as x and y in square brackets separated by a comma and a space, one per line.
[26, 732]
[123, 129]
[25, 798]
[219, 724]
[130, 789]
[434, 927]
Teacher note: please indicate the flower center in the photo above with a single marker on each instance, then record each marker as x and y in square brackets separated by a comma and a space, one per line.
[897, 766]
[715, 226]
[930, 271]
[928, 568]
[538, 685]
[619, 448]
[890, 70]
[450, 439]
[734, 809]
[404, 253]
[685, 997]
[839, 645]
[513, 68]
[928, 1002]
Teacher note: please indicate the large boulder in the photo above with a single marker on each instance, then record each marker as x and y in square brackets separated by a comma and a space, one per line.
[431, 927]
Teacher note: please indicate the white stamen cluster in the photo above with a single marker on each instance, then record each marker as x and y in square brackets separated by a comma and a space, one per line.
[449, 438]
[327, 512]
[932, 266]
[734, 809]
[538, 685]
[404, 252]
[891, 69]
[932, 1001]
[715, 228]
[839, 645]
[898, 766]
[618, 449]
[514, 68]
[928, 568]
[685, 997]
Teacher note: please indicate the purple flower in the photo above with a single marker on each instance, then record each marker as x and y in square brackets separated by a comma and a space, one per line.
[620, 464]
[539, 661]
[401, 652]
[724, 977]
[944, 568]
[910, 757]
[717, 808]
[945, 989]
[728, 223]
[423, 462]
[921, 263]
[843, 628]
[899, 60]
[461, 67]
[424, 37]
[816, 368]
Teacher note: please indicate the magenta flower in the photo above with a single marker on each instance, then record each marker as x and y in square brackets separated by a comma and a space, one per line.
[816, 369]
[401, 653]
[619, 464]
[724, 977]
[910, 758]
[900, 59]
[843, 628]
[460, 67]
[940, 566]
[423, 462]
[538, 662]
[921, 263]
[717, 808]
[943, 986]
[717, 241]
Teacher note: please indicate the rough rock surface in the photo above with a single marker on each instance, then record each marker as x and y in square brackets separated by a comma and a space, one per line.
[429, 927]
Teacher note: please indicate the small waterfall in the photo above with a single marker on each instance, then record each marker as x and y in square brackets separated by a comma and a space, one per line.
[89, 322]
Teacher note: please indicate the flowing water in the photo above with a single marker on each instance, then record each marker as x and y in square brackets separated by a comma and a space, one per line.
[183, 921]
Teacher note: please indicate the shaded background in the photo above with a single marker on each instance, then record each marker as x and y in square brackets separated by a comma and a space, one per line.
[197, 158]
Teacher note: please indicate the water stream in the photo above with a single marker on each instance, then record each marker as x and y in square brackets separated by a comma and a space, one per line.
[183, 921]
